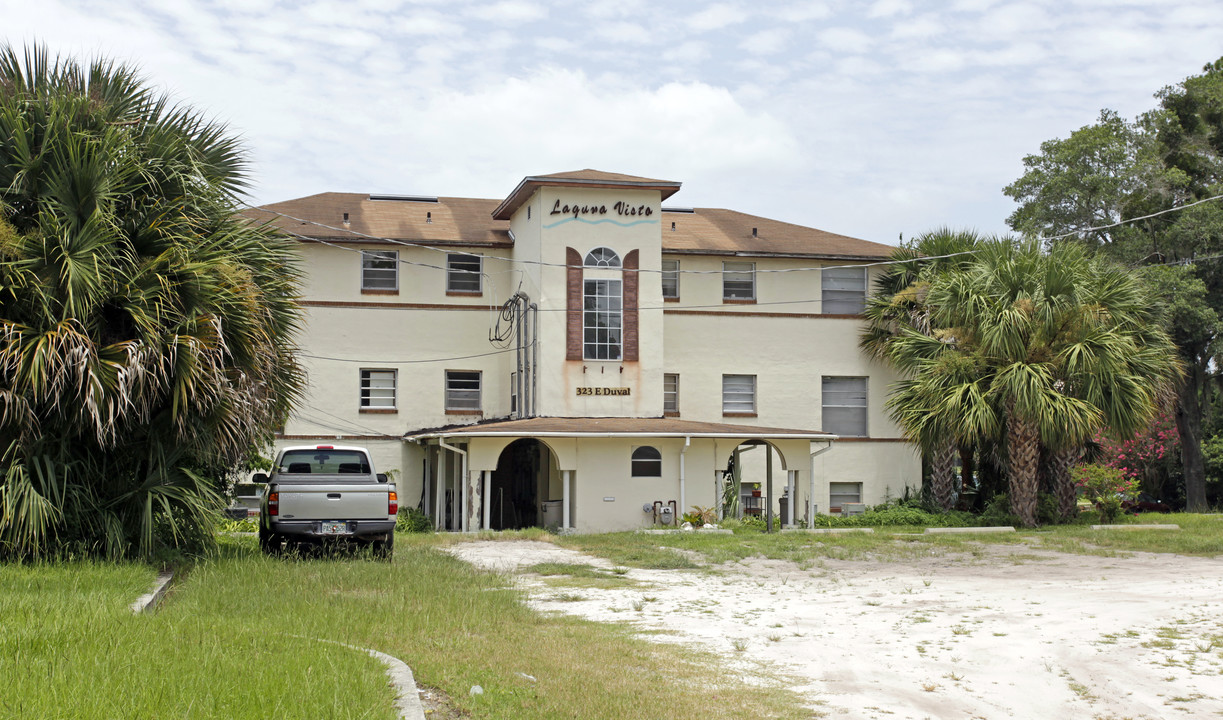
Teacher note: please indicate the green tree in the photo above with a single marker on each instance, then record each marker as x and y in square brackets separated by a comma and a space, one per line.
[146, 330]
[1041, 348]
[898, 306]
[1114, 171]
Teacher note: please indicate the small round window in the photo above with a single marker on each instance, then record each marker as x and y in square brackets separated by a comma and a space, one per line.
[602, 257]
[647, 462]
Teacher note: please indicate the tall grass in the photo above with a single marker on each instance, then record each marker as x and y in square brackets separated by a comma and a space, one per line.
[71, 648]
[237, 638]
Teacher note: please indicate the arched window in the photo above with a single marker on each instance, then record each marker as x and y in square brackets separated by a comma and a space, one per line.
[647, 462]
[602, 257]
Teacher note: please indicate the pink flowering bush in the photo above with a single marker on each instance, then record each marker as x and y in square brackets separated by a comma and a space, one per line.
[1105, 486]
[1141, 456]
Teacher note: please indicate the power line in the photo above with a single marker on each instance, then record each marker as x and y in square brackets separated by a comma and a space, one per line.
[1132, 220]
[411, 362]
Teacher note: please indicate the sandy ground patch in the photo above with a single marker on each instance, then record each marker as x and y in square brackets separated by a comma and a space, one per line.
[1019, 634]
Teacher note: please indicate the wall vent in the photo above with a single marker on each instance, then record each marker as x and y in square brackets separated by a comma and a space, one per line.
[404, 198]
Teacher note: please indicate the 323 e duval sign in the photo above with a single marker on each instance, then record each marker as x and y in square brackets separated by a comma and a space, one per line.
[604, 391]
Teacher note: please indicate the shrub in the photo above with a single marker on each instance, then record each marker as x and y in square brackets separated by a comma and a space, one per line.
[1105, 486]
[413, 520]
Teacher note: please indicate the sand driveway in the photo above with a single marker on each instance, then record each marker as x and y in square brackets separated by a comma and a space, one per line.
[1013, 632]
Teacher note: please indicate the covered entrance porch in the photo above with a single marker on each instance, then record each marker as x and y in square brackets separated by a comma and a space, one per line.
[602, 474]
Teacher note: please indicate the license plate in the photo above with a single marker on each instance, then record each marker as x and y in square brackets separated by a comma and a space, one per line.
[333, 528]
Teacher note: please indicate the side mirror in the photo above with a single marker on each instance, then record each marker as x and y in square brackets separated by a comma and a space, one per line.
[260, 477]
[381, 477]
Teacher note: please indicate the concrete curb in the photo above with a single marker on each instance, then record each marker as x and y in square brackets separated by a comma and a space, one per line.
[150, 600]
[828, 531]
[957, 530]
[1135, 527]
[407, 695]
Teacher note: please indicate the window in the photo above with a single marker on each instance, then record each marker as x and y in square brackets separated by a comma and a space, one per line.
[380, 270]
[377, 389]
[601, 319]
[602, 257]
[647, 462]
[845, 406]
[843, 290]
[738, 394]
[670, 394]
[670, 279]
[462, 390]
[841, 493]
[463, 273]
[738, 281]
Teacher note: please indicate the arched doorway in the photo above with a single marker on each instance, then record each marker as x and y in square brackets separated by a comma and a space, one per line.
[519, 485]
[755, 482]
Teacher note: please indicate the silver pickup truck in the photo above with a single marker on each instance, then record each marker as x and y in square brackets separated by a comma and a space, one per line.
[326, 492]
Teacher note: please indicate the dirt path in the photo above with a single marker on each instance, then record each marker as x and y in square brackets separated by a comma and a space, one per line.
[1039, 635]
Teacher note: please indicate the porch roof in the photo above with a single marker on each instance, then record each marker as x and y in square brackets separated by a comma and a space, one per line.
[615, 427]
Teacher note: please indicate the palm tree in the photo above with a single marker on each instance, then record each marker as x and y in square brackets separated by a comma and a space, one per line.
[146, 331]
[898, 306]
[1043, 347]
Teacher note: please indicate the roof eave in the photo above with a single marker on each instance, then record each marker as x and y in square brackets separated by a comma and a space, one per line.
[527, 187]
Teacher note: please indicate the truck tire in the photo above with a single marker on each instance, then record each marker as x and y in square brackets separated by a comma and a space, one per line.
[384, 549]
[269, 542]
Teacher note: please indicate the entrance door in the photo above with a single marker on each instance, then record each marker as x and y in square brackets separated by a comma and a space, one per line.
[515, 486]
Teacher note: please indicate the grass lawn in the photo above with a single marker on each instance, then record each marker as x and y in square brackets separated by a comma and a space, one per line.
[236, 638]
[1200, 535]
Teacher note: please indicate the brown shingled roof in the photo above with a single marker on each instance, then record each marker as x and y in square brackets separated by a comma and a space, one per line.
[448, 221]
[715, 231]
[470, 222]
[616, 426]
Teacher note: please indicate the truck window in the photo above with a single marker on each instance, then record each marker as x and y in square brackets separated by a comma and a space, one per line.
[330, 462]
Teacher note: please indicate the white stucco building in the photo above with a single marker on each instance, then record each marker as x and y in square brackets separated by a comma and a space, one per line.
[580, 354]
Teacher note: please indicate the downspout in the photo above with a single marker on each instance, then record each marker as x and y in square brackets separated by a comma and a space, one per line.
[811, 495]
[534, 355]
[462, 479]
[683, 502]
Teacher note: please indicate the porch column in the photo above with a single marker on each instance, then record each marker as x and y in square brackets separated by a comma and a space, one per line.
[486, 479]
[566, 477]
[768, 500]
[792, 491]
[443, 466]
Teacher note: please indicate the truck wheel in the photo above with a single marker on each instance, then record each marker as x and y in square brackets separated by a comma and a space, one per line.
[384, 549]
[269, 542]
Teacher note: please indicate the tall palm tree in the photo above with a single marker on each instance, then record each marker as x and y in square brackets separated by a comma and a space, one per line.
[146, 332]
[899, 305]
[1043, 347]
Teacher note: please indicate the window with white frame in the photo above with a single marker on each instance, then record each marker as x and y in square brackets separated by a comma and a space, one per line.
[845, 406]
[843, 290]
[602, 257]
[380, 270]
[463, 390]
[842, 493]
[602, 319]
[670, 278]
[647, 462]
[738, 394]
[464, 273]
[670, 393]
[738, 281]
[377, 389]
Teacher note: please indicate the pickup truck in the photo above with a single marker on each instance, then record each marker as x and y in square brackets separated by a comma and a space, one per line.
[324, 493]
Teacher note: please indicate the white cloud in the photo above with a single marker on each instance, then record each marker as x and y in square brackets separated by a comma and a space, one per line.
[716, 17]
[844, 40]
[508, 11]
[889, 8]
[767, 42]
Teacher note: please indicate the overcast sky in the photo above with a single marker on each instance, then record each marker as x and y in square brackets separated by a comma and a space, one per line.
[863, 118]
